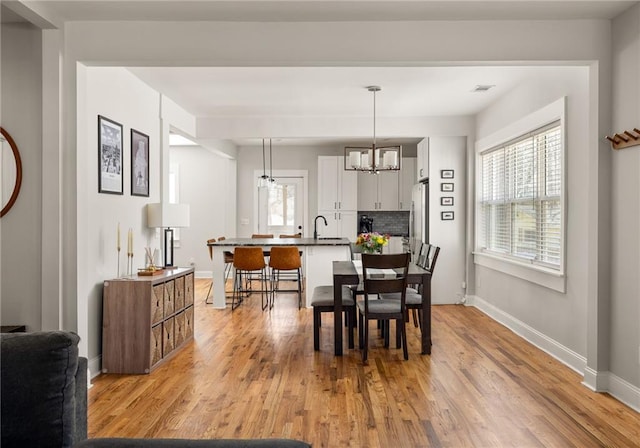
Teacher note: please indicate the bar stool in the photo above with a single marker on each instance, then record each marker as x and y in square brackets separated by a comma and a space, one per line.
[285, 258]
[248, 263]
[209, 241]
[228, 261]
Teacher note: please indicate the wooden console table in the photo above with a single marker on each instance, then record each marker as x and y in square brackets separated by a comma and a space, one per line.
[146, 319]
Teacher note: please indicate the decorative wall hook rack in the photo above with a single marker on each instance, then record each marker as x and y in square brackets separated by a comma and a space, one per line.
[625, 140]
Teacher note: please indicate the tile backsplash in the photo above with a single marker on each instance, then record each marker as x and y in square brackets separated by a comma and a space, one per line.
[394, 223]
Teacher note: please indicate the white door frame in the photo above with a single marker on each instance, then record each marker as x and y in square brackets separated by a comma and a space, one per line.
[304, 174]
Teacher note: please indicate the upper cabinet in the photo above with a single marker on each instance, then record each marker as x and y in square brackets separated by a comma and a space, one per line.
[422, 166]
[387, 191]
[407, 180]
[337, 188]
[378, 191]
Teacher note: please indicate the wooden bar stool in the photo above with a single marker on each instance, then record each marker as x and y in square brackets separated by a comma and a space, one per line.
[285, 258]
[249, 264]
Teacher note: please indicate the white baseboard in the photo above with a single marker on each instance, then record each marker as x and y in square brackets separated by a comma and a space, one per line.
[95, 367]
[563, 354]
[203, 274]
[615, 386]
[607, 382]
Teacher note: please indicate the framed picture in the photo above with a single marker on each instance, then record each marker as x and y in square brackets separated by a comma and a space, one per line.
[446, 216]
[446, 174]
[446, 200]
[109, 156]
[139, 163]
[446, 186]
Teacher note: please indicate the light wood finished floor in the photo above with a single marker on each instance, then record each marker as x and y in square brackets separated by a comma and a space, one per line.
[254, 374]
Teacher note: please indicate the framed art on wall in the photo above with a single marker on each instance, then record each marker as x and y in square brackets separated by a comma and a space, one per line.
[109, 156]
[446, 186]
[139, 164]
[446, 200]
[446, 216]
[446, 174]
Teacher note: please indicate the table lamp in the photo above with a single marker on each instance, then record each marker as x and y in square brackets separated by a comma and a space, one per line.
[168, 216]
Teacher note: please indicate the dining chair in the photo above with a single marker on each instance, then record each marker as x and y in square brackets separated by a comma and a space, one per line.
[249, 265]
[295, 235]
[413, 297]
[386, 273]
[322, 301]
[210, 241]
[285, 259]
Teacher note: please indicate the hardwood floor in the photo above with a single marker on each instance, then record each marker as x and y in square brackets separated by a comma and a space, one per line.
[254, 374]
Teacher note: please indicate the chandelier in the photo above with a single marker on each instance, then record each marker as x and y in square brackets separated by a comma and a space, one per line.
[373, 159]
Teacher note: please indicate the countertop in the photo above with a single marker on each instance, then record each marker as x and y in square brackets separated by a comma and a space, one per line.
[282, 242]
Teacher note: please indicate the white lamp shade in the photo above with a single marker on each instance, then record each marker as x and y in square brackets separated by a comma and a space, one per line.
[167, 215]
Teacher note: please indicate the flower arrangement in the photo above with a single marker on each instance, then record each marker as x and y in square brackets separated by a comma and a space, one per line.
[372, 242]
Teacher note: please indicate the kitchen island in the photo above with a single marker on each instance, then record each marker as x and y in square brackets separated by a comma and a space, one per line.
[318, 256]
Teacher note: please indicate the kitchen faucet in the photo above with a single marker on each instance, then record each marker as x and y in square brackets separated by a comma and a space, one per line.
[315, 225]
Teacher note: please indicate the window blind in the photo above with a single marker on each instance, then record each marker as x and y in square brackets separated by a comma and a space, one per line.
[521, 198]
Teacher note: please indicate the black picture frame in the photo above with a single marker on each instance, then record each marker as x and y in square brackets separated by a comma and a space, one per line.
[110, 179]
[139, 164]
[446, 216]
[446, 186]
[446, 201]
[446, 174]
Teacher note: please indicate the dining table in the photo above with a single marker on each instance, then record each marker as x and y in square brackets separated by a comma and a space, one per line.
[345, 273]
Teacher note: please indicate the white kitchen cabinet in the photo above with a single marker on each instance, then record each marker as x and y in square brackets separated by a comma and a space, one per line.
[340, 224]
[422, 165]
[378, 191]
[407, 181]
[337, 188]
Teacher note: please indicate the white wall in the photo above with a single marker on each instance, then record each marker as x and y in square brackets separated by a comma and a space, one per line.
[208, 185]
[562, 318]
[625, 209]
[21, 230]
[284, 158]
[448, 153]
[118, 95]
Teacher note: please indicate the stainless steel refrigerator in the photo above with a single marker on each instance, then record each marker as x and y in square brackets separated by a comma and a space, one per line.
[419, 216]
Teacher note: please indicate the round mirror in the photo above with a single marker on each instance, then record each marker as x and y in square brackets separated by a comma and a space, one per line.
[11, 171]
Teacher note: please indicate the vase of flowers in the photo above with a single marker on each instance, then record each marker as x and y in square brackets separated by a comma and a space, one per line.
[372, 243]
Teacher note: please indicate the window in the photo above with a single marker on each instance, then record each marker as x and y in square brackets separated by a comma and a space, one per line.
[521, 205]
[281, 205]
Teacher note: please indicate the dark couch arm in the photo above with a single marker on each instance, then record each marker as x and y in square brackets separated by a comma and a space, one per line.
[42, 405]
[186, 443]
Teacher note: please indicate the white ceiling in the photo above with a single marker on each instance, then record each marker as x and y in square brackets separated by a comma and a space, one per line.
[327, 91]
[324, 10]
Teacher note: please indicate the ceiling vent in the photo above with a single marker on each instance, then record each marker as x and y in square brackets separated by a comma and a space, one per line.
[483, 87]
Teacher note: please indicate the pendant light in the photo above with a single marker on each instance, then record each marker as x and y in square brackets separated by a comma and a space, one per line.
[263, 181]
[272, 181]
[373, 159]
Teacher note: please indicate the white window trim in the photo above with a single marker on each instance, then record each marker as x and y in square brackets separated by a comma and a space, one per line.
[549, 278]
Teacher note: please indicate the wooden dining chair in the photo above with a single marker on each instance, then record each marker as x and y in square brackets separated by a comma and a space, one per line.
[413, 299]
[249, 265]
[376, 282]
[285, 259]
[262, 235]
[322, 301]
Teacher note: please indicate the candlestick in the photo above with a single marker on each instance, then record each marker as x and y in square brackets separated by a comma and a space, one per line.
[118, 243]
